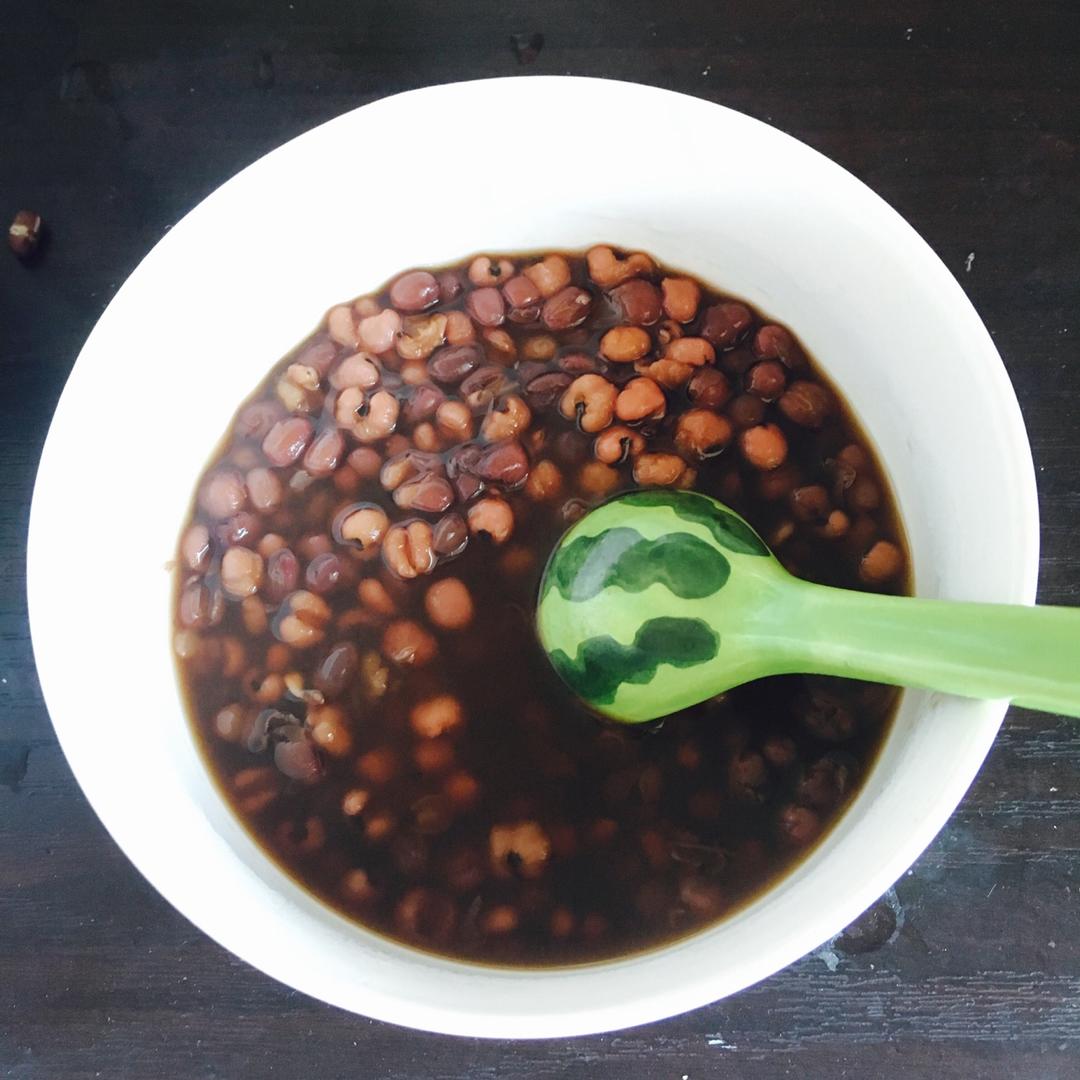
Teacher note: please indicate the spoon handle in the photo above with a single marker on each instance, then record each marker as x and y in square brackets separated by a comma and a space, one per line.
[1030, 655]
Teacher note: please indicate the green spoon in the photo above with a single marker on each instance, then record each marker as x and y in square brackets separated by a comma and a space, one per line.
[660, 599]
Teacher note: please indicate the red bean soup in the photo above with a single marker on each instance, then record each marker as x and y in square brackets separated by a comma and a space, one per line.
[357, 585]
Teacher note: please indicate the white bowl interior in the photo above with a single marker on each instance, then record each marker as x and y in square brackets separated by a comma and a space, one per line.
[249, 272]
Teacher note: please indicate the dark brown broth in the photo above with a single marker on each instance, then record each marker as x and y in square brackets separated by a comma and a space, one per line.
[654, 832]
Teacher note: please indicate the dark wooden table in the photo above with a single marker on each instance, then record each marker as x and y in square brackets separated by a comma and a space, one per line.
[116, 118]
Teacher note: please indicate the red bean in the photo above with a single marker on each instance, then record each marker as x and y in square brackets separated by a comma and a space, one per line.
[806, 403]
[775, 343]
[337, 670]
[195, 548]
[452, 363]
[639, 301]
[503, 463]
[298, 760]
[579, 363]
[544, 391]
[486, 306]
[423, 404]
[265, 489]
[223, 494]
[282, 574]
[709, 388]
[810, 504]
[450, 286]
[521, 292]
[201, 606]
[483, 386]
[428, 494]
[414, 291]
[319, 355]
[746, 411]
[799, 825]
[450, 536]
[287, 440]
[365, 461]
[324, 453]
[567, 308]
[766, 380]
[725, 323]
[256, 419]
[324, 573]
[736, 363]
[243, 528]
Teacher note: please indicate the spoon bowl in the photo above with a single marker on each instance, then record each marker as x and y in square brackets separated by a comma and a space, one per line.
[659, 599]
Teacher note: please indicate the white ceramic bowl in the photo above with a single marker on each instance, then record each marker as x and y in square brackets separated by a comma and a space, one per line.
[332, 214]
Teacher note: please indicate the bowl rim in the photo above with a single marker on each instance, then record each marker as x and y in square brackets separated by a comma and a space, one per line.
[653, 1002]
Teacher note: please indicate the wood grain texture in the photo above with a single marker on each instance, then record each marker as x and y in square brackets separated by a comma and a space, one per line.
[116, 118]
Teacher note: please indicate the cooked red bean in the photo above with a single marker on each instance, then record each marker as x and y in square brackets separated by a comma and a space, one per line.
[806, 403]
[608, 269]
[484, 386]
[450, 285]
[640, 399]
[427, 494]
[324, 453]
[222, 494]
[766, 380]
[639, 302]
[545, 390]
[522, 292]
[708, 388]
[702, 433]
[568, 308]
[201, 606]
[881, 563]
[661, 470]
[377, 333]
[492, 517]
[255, 420]
[618, 444]
[746, 411]
[549, 275]
[764, 446]
[414, 291]
[486, 306]
[423, 404]
[625, 344]
[681, 298]
[450, 535]
[724, 324]
[356, 370]
[337, 670]
[287, 440]
[452, 363]
[381, 717]
[282, 574]
[195, 548]
[590, 399]
[408, 549]
[324, 573]
[504, 463]
[448, 604]
[578, 363]
[408, 644]
[298, 760]
[487, 271]
[694, 351]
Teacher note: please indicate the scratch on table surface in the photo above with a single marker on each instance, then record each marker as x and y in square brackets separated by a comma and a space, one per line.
[718, 1040]
[969, 262]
